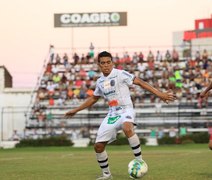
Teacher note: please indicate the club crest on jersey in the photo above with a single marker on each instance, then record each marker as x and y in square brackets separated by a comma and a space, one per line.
[112, 82]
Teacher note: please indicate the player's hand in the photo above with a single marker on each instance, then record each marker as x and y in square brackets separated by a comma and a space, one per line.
[70, 113]
[203, 94]
[168, 96]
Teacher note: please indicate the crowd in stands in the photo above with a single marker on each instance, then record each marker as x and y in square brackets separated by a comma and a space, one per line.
[68, 80]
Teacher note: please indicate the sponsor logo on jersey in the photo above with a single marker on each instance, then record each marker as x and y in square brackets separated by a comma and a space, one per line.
[110, 92]
[112, 120]
[128, 117]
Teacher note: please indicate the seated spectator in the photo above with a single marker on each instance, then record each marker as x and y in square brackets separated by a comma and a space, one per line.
[56, 78]
[82, 73]
[42, 94]
[192, 63]
[89, 92]
[70, 93]
[51, 88]
[60, 101]
[91, 74]
[51, 101]
[197, 56]
[48, 68]
[76, 92]
[151, 64]
[15, 136]
[55, 69]
[205, 54]
[37, 106]
[78, 82]
[82, 93]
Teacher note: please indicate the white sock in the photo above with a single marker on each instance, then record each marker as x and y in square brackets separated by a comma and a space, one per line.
[135, 145]
[102, 159]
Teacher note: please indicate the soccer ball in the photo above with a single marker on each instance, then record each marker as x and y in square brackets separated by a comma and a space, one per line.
[137, 169]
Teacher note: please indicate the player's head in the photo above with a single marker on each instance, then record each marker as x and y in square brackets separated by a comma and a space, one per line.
[105, 62]
[104, 54]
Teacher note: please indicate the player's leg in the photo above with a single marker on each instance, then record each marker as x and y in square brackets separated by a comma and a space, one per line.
[102, 159]
[105, 134]
[128, 128]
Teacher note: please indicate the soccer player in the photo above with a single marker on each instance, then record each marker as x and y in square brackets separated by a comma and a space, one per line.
[202, 95]
[113, 85]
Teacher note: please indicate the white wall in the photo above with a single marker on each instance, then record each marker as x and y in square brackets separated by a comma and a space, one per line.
[13, 105]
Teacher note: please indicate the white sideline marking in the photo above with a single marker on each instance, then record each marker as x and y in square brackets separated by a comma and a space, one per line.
[11, 159]
[67, 155]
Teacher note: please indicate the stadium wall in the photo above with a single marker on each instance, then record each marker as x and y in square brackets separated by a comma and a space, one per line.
[14, 103]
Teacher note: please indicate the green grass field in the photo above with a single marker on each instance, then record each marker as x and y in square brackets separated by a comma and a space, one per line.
[176, 162]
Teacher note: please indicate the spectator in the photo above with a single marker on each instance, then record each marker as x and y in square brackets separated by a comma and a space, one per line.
[172, 132]
[205, 54]
[51, 53]
[160, 133]
[141, 57]
[168, 56]
[159, 57]
[15, 136]
[91, 53]
[175, 56]
[58, 59]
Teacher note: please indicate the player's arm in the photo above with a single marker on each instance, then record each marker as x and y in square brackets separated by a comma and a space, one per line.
[89, 102]
[203, 93]
[165, 96]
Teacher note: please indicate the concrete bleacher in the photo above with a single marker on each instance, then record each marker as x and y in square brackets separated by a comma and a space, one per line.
[147, 114]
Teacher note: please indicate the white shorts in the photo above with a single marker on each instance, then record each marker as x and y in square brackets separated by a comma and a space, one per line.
[113, 123]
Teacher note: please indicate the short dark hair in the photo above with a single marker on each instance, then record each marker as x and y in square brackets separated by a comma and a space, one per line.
[104, 54]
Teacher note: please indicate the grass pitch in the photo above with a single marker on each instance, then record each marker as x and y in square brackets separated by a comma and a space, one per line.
[175, 162]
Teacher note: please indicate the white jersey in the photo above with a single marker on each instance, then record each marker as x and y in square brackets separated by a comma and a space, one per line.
[115, 88]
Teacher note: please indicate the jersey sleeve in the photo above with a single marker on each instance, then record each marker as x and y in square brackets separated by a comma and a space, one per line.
[97, 91]
[127, 78]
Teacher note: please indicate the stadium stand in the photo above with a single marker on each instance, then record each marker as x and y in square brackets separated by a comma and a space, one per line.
[67, 81]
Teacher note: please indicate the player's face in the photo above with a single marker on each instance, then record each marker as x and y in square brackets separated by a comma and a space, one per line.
[106, 65]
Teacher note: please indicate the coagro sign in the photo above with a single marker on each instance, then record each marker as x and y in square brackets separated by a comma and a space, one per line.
[90, 19]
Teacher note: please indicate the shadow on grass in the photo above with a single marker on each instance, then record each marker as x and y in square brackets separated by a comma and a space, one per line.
[205, 175]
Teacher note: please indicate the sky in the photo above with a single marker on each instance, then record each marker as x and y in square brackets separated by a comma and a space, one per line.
[27, 29]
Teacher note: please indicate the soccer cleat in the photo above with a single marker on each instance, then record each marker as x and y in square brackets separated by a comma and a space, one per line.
[131, 177]
[105, 177]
